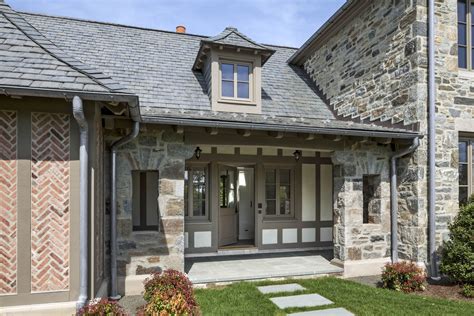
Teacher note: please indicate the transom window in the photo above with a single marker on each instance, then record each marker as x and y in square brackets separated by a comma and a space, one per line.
[466, 34]
[195, 192]
[278, 191]
[235, 80]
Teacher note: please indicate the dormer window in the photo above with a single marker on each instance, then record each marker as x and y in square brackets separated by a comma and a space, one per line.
[236, 80]
[231, 64]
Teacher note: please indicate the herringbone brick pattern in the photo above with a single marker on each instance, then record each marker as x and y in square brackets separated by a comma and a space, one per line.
[8, 202]
[50, 209]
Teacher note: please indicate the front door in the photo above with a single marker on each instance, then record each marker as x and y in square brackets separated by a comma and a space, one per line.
[227, 225]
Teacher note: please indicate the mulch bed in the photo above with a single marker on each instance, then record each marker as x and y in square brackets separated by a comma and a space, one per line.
[444, 289]
[438, 289]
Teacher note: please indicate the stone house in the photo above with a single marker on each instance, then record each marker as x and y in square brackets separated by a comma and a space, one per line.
[126, 150]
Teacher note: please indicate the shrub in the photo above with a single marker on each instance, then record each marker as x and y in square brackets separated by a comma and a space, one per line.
[457, 260]
[403, 276]
[167, 303]
[102, 307]
[468, 290]
[169, 293]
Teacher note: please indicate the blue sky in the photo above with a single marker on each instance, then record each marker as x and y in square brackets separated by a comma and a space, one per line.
[280, 22]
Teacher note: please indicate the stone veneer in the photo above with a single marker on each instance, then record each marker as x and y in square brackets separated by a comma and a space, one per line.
[151, 251]
[354, 240]
[380, 74]
[374, 70]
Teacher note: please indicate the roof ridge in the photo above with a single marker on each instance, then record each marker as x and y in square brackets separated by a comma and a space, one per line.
[111, 23]
[54, 51]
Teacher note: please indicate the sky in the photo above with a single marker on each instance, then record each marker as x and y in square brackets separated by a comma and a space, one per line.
[278, 22]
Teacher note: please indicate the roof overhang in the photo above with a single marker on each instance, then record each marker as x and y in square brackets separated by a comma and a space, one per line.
[130, 99]
[206, 47]
[388, 133]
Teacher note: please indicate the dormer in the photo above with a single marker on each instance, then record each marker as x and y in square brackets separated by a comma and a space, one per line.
[232, 65]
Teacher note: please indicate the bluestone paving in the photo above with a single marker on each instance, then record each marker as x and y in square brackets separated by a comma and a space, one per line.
[293, 287]
[303, 300]
[236, 268]
[325, 312]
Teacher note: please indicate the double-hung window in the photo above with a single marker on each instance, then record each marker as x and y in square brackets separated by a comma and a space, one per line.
[466, 34]
[279, 187]
[236, 80]
[196, 192]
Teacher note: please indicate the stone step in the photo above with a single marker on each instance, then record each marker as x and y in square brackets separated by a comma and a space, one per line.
[325, 312]
[292, 287]
[303, 300]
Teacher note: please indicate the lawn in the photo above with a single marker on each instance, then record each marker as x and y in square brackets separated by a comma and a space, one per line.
[244, 299]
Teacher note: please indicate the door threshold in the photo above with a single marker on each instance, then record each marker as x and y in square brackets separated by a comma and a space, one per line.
[251, 251]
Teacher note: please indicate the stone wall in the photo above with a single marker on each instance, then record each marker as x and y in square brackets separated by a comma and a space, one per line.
[368, 70]
[354, 240]
[374, 70]
[144, 252]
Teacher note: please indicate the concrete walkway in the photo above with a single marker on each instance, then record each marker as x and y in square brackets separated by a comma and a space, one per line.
[253, 267]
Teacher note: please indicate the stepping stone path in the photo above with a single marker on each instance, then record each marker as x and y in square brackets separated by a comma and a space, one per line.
[326, 312]
[293, 287]
[303, 300]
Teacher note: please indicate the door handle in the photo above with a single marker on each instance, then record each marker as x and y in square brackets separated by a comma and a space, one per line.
[251, 203]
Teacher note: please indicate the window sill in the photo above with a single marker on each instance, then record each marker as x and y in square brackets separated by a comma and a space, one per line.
[466, 73]
[242, 102]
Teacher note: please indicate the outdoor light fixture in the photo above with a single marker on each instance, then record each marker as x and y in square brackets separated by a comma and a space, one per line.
[297, 154]
[197, 152]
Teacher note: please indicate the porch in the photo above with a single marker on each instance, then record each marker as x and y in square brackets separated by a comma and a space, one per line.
[202, 270]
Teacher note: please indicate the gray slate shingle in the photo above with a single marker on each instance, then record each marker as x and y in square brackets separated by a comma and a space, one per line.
[29, 60]
[157, 66]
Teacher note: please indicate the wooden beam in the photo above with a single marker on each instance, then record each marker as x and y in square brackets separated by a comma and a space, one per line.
[384, 141]
[212, 130]
[178, 129]
[277, 135]
[306, 136]
[244, 132]
[334, 138]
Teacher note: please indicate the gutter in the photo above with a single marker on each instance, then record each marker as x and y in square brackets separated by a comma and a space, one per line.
[113, 213]
[131, 99]
[78, 113]
[433, 260]
[281, 128]
[394, 195]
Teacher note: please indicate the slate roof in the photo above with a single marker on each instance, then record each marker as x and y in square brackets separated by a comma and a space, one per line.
[232, 36]
[157, 67]
[29, 60]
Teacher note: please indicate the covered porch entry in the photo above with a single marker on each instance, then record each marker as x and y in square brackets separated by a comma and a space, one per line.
[202, 270]
[257, 193]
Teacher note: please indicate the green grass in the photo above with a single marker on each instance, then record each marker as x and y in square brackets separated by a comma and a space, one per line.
[244, 299]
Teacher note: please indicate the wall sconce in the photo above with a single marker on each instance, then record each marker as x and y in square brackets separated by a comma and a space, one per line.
[197, 152]
[297, 154]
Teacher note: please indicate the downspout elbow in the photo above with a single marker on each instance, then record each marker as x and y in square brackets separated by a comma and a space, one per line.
[79, 116]
[394, 196]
